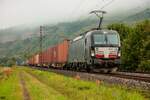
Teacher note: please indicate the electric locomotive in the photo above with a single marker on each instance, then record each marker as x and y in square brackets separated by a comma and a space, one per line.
[95, 49]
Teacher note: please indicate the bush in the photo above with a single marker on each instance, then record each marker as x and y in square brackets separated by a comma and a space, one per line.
[122, 29]
[135, 46]
[5, 61]
[144, 66]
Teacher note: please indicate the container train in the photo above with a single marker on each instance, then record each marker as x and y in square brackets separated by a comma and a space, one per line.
[94, 49]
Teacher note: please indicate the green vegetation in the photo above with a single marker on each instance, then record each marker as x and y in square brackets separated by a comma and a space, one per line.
[6, 61]
[135, 45]
[42, 85]
[45, 92]
[9, 87]
[74, 89]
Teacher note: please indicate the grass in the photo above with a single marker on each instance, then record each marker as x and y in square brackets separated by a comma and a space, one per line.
[82, 90]
[1, 73]
[9, 87]
[40, 91]
[42, 85]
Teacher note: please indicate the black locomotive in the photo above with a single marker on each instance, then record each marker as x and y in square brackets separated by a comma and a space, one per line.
[95, 49]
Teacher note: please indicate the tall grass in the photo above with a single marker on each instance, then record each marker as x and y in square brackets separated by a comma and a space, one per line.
[81, 90]
[40, 91]
[42, 85]
[10, 89]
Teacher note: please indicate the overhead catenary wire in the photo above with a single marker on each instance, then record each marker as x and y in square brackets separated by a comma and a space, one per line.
[77, 8]
[105, 5]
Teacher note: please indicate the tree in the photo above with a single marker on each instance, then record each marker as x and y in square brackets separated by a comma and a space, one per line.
[122, 29]
[144, 29]
[135, 45]
[131, 50]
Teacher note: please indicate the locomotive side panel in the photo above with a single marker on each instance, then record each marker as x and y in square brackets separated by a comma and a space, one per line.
[77, 51]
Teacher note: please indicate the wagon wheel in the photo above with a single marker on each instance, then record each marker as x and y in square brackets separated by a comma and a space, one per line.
[113, 70]
[89, 68]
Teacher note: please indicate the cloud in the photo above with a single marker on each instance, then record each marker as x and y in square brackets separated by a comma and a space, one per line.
[16, 12]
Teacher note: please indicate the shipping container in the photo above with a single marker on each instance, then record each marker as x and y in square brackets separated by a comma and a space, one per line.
[46, 55]
[30, 61]
[60, 53]
[36, 59]
[49, 56]
[41, 58]
[56, 55]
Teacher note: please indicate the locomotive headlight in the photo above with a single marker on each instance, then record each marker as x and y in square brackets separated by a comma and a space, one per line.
[119, 54]
[92, 53]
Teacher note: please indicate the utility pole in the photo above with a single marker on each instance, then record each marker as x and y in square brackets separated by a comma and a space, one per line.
[41, 40]
[99, 14]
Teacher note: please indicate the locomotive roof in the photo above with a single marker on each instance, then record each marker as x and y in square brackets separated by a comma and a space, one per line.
[95, 30]
[100, 32]
[104, 31]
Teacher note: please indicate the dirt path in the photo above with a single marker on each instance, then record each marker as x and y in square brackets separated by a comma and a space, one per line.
[23, 84]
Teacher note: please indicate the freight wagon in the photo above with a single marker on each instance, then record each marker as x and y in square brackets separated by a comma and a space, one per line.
[55, 56]
[60, 54]
[34, 60]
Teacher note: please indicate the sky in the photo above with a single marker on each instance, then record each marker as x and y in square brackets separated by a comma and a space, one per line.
[19, 12]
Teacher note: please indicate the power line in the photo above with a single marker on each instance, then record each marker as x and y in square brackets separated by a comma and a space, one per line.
[88, 18]
[78, 7]
[101, 17]
[41, 42]
[41, 38]
[107, 4]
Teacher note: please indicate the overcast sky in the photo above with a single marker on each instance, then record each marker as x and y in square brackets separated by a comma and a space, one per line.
[18, 12]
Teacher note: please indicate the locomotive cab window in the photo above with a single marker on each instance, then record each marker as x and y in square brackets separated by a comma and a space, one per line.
[106, 39]
[99, 39]
[112, 39]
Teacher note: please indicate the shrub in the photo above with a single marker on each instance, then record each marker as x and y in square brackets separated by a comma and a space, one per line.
[144, 66]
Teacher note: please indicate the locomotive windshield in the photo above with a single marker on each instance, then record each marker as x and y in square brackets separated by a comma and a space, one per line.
[112, 39]
[103, 39]
[99, 39]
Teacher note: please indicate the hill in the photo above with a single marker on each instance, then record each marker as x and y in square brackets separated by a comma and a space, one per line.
[145, 14]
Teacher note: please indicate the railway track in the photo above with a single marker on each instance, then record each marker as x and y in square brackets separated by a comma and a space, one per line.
[127, 79]
[135, 74]
[131, 76]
